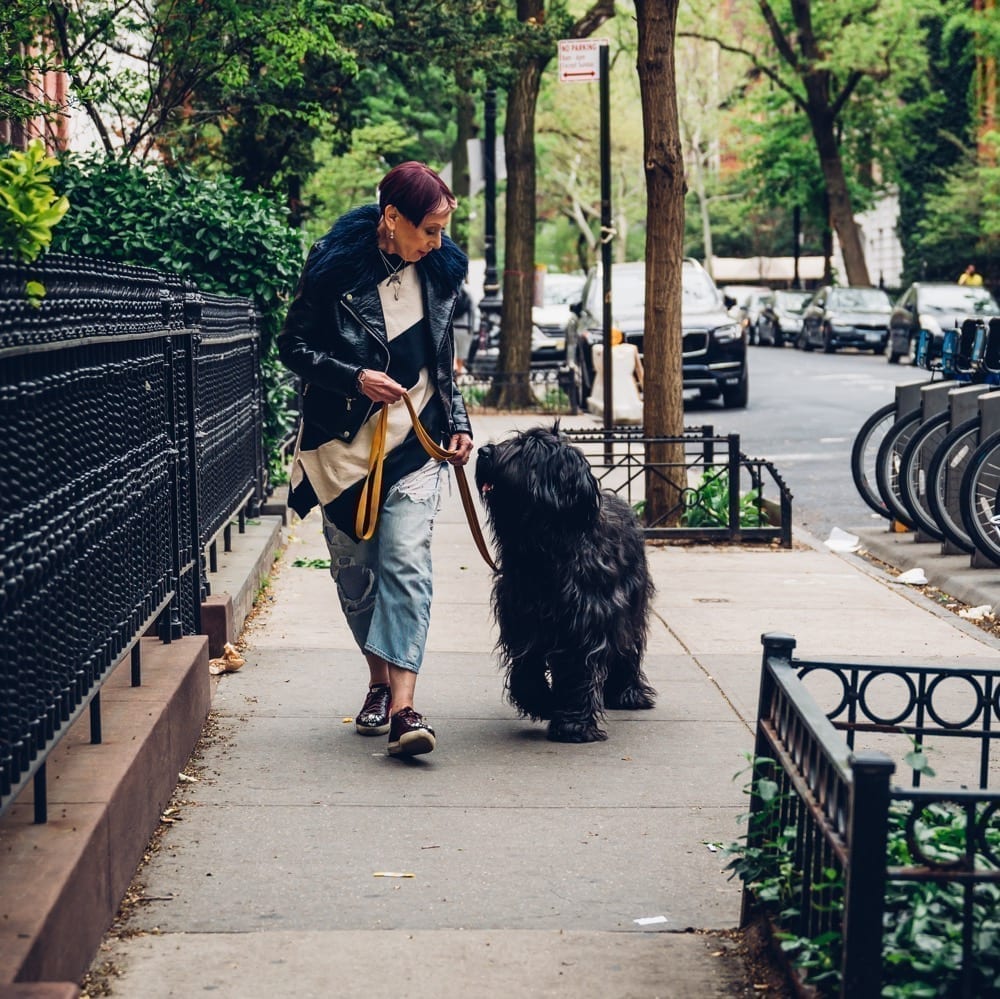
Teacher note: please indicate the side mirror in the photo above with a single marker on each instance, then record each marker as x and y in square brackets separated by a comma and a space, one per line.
[576, 308]
[729, 300]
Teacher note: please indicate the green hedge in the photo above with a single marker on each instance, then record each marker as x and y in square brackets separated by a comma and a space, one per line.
[224, 238]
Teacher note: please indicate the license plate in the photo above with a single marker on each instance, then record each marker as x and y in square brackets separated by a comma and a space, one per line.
[873, 337]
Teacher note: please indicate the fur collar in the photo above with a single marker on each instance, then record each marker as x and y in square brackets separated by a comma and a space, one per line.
[347, 256]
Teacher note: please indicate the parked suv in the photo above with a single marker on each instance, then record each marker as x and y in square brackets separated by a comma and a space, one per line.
[714, 352]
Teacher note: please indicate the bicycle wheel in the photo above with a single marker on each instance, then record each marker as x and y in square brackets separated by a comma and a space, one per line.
[863, 454]
[913, 472]
[981, 500]
[888, 462]
[944, 481]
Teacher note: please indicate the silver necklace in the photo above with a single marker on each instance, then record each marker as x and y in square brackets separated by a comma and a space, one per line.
[394, 277]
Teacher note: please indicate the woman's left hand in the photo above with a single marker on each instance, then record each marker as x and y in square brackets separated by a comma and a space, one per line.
[462, 445]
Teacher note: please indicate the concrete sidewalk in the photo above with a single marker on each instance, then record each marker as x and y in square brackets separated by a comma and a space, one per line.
[537, 869]
[528, 868]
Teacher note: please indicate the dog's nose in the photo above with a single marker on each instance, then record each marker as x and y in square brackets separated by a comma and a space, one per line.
[486, 451]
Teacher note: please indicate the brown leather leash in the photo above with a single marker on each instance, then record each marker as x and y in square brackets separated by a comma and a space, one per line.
[367, 515]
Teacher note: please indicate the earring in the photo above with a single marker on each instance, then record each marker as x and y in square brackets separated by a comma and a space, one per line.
[392, 234]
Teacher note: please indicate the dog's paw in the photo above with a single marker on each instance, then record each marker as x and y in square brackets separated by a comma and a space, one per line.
[566, 731]
[631, 699]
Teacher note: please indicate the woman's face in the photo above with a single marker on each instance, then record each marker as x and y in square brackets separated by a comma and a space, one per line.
[414, 242]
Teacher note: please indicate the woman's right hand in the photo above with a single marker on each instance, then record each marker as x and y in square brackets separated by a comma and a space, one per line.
[380, 387]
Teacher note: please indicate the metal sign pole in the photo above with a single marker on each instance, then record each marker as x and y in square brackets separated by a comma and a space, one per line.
[606, 231]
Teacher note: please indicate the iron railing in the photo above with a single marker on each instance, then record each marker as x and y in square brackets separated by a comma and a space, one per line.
[726, 497]
[131, 414]
[827, 817]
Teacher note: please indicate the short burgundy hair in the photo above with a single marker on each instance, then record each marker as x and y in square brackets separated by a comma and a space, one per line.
[415, 189]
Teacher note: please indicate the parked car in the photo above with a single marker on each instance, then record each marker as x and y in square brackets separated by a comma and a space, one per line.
[846, 317]
[748, 309]
[546, 351]
[935, 307]
[559, 292]
[780, 319]
[714, 350]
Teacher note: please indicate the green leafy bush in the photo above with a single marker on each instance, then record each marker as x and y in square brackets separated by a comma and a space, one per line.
[224, 238]
[29, 206]
[707, 505]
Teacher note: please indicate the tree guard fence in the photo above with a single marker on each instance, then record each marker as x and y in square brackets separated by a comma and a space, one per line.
[850, 856]
[726, 497]
[131, 413]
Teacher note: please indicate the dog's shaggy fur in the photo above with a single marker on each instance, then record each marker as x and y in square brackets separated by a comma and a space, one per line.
[572, 595]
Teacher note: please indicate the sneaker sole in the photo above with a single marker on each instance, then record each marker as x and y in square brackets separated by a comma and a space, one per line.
[413, 744]
[372, 730]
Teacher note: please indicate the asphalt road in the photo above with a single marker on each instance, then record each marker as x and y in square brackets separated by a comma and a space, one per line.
[805, 410]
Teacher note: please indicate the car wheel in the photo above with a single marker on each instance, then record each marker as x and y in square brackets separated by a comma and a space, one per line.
[737, 396]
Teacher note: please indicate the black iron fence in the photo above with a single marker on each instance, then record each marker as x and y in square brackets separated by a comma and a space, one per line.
[725, 496]
[130, 406]
[837, 856]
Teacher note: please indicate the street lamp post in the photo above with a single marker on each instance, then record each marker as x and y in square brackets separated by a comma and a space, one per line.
[491, 304]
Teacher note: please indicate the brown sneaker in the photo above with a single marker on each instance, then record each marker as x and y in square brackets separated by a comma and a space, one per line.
[373, 718]
[409, 734]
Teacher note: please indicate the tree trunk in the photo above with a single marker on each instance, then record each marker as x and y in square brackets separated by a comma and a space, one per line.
[663, 405]
[466, 121]
[839, 198]
[512, 388]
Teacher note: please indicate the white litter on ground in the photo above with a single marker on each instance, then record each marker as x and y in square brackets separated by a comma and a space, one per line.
[841, 541]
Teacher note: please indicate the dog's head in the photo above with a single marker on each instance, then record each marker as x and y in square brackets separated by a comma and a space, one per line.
[537, 483]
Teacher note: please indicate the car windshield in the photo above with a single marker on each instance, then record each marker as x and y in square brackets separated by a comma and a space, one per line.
[698, 290]
[791, 301]
[562, 289]
[957, 298]
[860, 300]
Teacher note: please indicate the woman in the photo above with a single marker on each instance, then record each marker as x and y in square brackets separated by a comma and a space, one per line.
[371, 322]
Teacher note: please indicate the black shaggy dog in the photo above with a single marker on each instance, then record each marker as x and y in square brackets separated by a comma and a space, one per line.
[572, 595]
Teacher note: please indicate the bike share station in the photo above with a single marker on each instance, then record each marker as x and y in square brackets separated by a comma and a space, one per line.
[930, 461]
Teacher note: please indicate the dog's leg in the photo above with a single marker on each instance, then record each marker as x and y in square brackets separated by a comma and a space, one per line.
[626, 688]
[577, 700]
[528, 687]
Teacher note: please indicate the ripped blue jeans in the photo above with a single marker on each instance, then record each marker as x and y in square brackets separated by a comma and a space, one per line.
[385, 584]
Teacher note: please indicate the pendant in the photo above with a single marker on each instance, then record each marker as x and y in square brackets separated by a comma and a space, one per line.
[395, 280]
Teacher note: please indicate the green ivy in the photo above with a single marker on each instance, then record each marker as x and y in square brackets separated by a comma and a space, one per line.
[29, 207]
[923, 920]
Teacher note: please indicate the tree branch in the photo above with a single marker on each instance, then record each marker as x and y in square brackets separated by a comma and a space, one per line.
[761, 67]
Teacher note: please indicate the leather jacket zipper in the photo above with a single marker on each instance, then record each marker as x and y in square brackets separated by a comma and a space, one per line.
[372, 333]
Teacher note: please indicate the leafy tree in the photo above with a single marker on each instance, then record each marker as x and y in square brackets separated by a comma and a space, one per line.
[822, 55]
[152, 75]
[937, 155]
[23, 60]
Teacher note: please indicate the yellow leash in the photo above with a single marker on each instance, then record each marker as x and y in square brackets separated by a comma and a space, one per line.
[367, 515]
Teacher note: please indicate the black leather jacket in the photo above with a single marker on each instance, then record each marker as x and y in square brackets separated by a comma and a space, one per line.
[335, 327]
